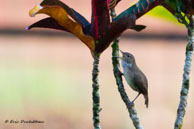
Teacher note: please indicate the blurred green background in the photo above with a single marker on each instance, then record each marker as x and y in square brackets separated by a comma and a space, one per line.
[46, 75]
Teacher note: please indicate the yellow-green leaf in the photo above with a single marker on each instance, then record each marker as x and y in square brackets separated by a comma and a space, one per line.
[163, 13]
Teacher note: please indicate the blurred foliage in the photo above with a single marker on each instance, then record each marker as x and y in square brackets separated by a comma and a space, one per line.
[161, 12]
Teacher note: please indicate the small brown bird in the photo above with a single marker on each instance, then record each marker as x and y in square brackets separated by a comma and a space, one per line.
[134, 76]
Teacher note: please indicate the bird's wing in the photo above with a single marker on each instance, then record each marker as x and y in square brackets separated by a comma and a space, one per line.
[140, 81]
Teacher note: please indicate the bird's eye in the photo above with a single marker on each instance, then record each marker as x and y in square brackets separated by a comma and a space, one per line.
[127, 55]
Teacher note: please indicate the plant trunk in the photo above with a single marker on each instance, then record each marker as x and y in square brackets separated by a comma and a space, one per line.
[185, 83]
[95, 93]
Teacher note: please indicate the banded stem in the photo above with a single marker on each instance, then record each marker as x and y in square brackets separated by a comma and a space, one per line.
[185, 83]
[118, 77]
[95, 93]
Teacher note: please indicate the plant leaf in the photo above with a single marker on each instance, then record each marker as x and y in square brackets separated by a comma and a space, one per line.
[47, 23]
[138, 28]
[100, 18]
[116, 28]
[85, 24]
[61, 16]
[139, 8]
[71, 12]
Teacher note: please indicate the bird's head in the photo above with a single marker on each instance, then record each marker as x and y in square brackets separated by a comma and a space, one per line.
[127, 57]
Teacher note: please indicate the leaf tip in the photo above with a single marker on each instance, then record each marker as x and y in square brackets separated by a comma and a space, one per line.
[27, 28]
[33, 11]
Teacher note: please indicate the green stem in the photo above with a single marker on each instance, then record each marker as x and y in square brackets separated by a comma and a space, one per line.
[185, 83]
[95, 93]
[118, 77]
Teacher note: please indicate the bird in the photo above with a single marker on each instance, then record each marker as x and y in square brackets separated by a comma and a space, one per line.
[135, 78]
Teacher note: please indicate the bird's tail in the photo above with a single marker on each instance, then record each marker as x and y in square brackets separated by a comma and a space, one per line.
[146, 100]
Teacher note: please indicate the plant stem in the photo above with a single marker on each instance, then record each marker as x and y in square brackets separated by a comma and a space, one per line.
[95, 93]
[118, 77]
[185, 83]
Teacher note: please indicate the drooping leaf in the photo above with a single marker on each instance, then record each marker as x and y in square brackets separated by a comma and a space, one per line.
[47, 23]
[61, 16]
[138, 28]
[85, 24]
[115, 29]
[71, 12]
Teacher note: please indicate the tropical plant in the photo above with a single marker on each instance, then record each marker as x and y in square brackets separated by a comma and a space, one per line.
[98, 34]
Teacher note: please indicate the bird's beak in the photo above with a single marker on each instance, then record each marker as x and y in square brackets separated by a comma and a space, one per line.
[121, 51]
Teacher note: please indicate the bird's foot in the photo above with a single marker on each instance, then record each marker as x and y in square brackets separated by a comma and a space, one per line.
[119, 73]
